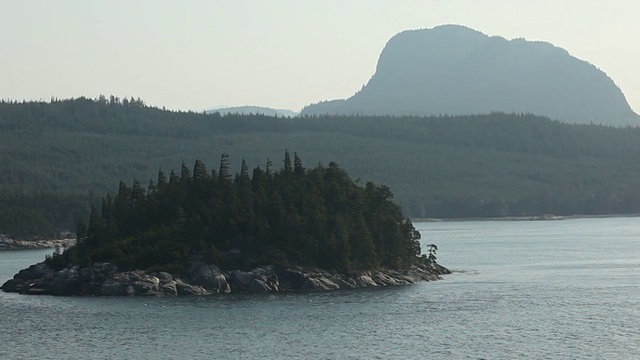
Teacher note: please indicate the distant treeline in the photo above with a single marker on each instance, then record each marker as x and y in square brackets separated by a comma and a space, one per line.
[59, 155]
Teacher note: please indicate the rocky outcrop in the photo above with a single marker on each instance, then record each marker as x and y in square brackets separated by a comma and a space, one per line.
[259, 280]
[209, 277]
[7, 243]
[105, 279]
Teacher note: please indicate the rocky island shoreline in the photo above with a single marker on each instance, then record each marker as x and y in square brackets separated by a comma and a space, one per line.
[104, 279]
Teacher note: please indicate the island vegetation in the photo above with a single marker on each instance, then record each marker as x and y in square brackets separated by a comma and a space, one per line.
[293, 216]
[58, 157]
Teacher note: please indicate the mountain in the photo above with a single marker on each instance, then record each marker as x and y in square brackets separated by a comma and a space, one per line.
[246, 110]
[456, 70]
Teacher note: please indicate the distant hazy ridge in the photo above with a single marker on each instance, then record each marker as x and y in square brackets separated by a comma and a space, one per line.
[456, 70]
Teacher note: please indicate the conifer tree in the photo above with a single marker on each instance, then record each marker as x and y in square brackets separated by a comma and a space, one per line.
[137, 194]
[94, 229]
[269, 167]
[185, 173]
[297, 165]
[200, 174]
[223, 172]
[162, 179]
[244, 172]
[287, 163]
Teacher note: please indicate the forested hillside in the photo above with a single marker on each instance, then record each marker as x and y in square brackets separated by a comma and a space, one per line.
[56, 156]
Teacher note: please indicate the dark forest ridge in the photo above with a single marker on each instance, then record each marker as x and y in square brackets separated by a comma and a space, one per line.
[456, 70]
[58, 156]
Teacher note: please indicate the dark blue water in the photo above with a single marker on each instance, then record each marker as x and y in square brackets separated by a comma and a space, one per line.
[565, 289]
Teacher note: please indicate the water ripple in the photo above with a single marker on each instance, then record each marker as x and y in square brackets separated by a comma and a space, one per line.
[515, 295]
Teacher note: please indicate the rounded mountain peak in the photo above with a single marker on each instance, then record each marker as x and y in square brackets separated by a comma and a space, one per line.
[453, 69]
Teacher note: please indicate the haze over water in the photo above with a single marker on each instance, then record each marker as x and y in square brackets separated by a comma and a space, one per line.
[565, 289]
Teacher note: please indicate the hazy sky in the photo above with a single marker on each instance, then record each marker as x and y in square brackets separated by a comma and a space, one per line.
[277, 53]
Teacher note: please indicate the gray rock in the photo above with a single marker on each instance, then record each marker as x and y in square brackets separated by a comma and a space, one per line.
[401, 278]
[130, 283]
[364, 281]
[145, 287]
[36, 291]
[329, 283]
[422, 273]
[183, 288]
[169, 288]
[163, 276]
[64, 282]
[259, 286]
[39, 279]
[346, 284]
[104, 269]
[36, 271]
[257, 280]
[111, 287]
[319, 283]
[441, 270]
[383, 279]
[290, 280]
[208, 276]
[12, 285]
[243, 279]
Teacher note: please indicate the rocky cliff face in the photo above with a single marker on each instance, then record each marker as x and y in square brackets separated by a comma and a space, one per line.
[202, 279]
[459, 71]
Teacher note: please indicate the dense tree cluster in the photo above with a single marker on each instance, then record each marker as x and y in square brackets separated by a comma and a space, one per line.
[314, 217]
[64, 151]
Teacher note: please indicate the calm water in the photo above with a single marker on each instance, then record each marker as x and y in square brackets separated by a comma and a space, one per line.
[565, 289]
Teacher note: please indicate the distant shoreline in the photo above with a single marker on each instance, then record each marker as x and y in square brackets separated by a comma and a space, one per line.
[547, 217]
[7, 243]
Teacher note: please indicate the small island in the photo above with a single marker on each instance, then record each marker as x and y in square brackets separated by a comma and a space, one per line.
[201, 232]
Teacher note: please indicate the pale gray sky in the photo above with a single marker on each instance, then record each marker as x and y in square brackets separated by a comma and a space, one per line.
[277, 53]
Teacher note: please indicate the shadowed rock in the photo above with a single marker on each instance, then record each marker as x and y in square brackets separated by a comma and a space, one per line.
[208, 276]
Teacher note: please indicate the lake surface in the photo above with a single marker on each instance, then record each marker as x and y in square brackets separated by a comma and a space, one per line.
[567, 289]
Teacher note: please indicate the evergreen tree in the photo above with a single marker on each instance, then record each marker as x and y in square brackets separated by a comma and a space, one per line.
[223, 172]
[162, 179]
[200, 174]
[287, 163]
[297, 165]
